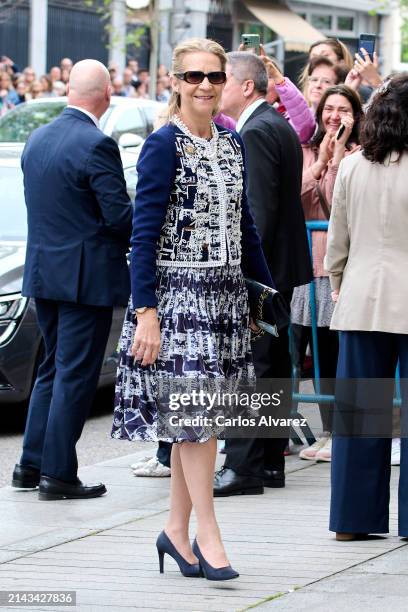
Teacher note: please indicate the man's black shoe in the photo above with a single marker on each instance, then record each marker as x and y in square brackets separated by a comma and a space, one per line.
[25, 477]
[227, 482]
[51, 488]
[274, 479]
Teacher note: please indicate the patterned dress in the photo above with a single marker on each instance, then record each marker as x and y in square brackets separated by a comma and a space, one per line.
[202, 308]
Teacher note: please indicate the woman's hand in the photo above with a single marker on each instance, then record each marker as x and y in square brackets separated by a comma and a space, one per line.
[340, 144]
[326, 149]
[271, 68]
[353, 79]
[367, 69]
[253, 325]
[325, 154]
[335, 295]
[146, 343]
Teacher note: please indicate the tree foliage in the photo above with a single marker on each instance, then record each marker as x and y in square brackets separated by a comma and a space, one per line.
[104, 10]
[404, 29]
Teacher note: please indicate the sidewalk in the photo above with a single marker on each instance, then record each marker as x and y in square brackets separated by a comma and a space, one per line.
[104, 549]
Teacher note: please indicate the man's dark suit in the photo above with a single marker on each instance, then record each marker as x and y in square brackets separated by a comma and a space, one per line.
[79, 225]
[274, 178]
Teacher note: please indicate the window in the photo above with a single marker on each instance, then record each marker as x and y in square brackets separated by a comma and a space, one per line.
[345, 24]
[18, 123]
[322, 22]
[130, 120]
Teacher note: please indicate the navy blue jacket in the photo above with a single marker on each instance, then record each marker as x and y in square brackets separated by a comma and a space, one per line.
[79, 214]
[157, 169]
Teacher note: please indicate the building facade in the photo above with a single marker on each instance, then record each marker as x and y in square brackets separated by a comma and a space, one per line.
[286, 28]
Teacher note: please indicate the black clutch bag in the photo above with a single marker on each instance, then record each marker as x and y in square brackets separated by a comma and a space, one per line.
[267, 307]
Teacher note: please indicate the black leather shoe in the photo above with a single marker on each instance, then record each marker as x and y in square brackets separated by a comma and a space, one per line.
[51, 488]
[25, 477]
[227, 482]
[274, 479]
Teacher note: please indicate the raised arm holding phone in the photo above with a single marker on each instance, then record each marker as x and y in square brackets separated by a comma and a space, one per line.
[289, 100]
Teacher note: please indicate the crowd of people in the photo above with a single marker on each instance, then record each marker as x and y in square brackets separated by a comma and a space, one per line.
[17, 86]
[224, 188]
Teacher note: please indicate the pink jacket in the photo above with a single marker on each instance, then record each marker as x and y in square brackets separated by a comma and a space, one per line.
[311, 203]
[225, 121]
[296, 110]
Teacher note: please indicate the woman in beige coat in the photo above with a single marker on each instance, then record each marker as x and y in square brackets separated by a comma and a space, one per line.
[367, 259]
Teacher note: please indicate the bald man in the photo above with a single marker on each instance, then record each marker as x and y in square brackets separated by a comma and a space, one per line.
[79, 224]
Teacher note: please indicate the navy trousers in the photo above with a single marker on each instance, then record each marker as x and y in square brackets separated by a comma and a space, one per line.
[75, 338]
[360, 468]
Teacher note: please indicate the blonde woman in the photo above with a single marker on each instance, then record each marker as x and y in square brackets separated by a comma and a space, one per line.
[193, 239]
[334, 50]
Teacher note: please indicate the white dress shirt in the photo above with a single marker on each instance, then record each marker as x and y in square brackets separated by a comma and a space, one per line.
[245, 115]
[86, 112]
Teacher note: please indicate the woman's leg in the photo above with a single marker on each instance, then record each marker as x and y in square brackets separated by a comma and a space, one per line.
[198, 461]
[402, 341]
[361, 465]
[180, 509]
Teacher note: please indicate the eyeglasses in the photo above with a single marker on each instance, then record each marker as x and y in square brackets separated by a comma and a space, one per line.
[194, 77]
[322, 80]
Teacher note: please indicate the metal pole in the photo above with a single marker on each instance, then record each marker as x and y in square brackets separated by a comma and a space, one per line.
[154, 49]
[117, 42]
[37, 52]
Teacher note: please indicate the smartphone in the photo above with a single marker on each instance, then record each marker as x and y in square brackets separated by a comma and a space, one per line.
[340, 131]
[367, 42]
[251, 42]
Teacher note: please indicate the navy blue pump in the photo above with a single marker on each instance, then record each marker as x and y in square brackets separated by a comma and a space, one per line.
[210, 572]
[165, 545]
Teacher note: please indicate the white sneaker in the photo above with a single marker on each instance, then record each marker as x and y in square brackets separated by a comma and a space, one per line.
[141, 462]
[324, 454]
[153, 468]
[309, 453]
[395, 451]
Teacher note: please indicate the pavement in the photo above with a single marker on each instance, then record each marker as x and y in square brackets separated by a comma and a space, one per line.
[104, 549]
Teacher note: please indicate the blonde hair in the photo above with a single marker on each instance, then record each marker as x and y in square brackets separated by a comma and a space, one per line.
[193, 45]
[344, 58]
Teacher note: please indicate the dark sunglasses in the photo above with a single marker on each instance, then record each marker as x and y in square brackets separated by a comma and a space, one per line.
[194, 77]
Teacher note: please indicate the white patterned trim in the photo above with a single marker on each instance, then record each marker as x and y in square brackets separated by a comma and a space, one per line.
[216, 210]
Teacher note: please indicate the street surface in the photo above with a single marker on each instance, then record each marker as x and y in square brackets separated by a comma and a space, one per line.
[94, 446]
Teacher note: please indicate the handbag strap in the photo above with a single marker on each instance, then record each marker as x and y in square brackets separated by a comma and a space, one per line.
[323, 202]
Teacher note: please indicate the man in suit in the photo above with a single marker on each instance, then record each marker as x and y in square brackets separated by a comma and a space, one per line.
[79, 225]
[274, 177]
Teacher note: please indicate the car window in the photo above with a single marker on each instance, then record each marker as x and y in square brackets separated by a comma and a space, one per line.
[151, 112]
[131, 182]
[13, 215]
[129, 120]
[104, 119]
[17, 124]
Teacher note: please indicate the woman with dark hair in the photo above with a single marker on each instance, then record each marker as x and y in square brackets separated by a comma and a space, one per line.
[367, 259]
[339, 106]
[46, 85]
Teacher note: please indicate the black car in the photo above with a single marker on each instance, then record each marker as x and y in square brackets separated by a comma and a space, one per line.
[21, 347]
